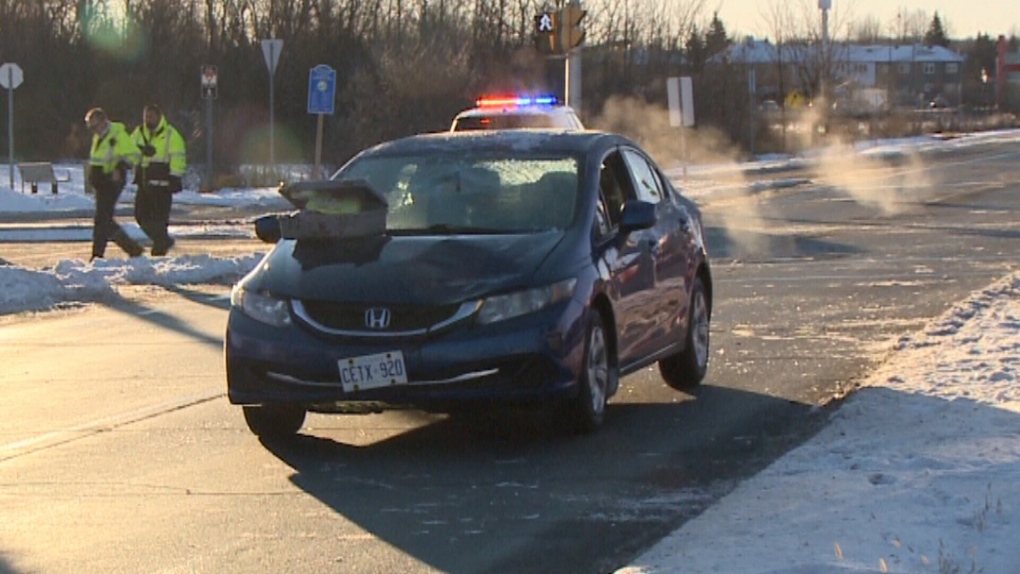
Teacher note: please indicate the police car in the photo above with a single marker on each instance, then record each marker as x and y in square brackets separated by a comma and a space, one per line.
[516, 112]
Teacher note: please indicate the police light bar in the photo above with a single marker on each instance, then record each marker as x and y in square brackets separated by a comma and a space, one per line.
[506, 101]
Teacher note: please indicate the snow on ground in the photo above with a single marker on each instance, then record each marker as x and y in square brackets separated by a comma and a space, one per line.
[919, 471]
[76, 281]
[71, 196]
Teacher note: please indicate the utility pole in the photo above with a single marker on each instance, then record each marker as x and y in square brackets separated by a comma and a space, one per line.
[824, 6]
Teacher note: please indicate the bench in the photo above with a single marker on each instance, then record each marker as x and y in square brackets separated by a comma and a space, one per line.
[40, 172]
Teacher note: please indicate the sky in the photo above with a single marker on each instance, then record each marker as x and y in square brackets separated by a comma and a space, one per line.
[918, 471]
[962, 18]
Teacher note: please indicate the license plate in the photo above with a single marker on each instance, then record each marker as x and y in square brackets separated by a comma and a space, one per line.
[372, 371]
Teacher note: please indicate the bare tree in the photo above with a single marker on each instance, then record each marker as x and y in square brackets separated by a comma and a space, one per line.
[909, 26]
[867, 30]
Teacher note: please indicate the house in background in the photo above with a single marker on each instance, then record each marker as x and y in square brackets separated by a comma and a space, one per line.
[1007, 74]
[863, 77]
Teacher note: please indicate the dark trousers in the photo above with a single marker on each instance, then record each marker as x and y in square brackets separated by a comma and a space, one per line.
[152, 212]
[104, 228]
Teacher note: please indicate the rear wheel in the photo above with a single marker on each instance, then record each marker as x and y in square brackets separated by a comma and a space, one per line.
[598, 376]
[687, 368]
[274, 420]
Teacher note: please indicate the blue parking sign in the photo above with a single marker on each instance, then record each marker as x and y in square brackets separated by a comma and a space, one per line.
[321, 89]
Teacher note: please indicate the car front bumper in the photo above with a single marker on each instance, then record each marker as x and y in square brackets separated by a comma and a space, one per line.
[535, 358]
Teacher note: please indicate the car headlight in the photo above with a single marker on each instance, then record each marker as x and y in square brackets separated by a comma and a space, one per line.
[512, 305]
[262, 308]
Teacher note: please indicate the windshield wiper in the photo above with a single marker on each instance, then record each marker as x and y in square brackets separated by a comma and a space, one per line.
[447, 229]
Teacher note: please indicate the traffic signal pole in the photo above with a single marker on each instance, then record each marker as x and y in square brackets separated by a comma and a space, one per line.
[571, 36]
[560, 34]
[572, 80]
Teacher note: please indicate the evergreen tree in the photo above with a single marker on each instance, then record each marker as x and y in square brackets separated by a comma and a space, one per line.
[981, 56]
[936, 34]
[715, 39]
[695, 48]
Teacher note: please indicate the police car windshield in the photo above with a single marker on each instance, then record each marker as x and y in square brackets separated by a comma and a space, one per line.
[505, 122]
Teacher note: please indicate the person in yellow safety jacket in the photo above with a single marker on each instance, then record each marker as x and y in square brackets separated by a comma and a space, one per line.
[113, 152]
[164, 161]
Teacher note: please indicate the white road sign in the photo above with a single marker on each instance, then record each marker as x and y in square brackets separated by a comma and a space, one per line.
[11, 76]
[271, 51]
[680, 94]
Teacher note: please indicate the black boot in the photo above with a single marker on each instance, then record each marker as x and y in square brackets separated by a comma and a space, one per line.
[161, 248]
[130, 246]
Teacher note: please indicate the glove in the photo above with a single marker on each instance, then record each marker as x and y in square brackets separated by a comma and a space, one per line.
[175, 184]
[119, 174]
[148, 150]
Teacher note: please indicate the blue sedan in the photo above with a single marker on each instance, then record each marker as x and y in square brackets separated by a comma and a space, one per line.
[472, 270]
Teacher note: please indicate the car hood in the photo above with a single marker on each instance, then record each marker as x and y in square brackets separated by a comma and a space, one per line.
[431, 270]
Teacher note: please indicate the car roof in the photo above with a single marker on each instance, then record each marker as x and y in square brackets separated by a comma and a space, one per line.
[553, 140]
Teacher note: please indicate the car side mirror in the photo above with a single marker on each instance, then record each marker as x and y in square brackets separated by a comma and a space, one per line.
[267, 228]
[637, 215]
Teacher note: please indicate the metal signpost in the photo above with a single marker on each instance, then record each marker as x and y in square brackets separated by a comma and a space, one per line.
[271, 51]
[209, 89]
[10, 78]
[752, 89]
[321, 95]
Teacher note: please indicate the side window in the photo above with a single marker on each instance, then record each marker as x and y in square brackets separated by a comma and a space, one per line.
[614, 187]
[648, 186]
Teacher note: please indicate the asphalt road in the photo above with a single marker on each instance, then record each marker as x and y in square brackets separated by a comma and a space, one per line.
[119, 452]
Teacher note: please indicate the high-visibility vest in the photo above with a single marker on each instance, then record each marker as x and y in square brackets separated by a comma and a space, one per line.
[112, 148]
[168, 143]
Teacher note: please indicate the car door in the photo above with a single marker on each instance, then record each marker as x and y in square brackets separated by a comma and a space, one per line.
[666, 247]
[627, 258]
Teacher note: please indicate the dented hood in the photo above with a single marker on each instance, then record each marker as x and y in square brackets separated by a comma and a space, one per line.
[429, 270]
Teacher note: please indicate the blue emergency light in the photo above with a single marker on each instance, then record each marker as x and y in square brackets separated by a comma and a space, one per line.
[512, 100]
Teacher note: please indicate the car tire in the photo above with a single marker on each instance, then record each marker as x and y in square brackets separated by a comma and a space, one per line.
[274, 420]
[598, 376]
[686, 369]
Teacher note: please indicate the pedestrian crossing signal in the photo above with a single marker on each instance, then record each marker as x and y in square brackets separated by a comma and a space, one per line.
[546, 26]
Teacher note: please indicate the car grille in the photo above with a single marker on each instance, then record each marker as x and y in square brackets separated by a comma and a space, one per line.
[344, 318]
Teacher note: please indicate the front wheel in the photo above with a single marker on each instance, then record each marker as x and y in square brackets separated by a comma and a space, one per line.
[598, 376]
[686, 369]
[274, 420]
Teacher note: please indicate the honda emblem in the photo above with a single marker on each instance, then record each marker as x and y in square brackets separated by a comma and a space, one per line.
[377, 318]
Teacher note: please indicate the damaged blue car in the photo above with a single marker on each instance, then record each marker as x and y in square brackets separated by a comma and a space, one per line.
[472, 270]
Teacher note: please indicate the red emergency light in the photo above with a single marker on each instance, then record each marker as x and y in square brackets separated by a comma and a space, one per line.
[503, 101]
